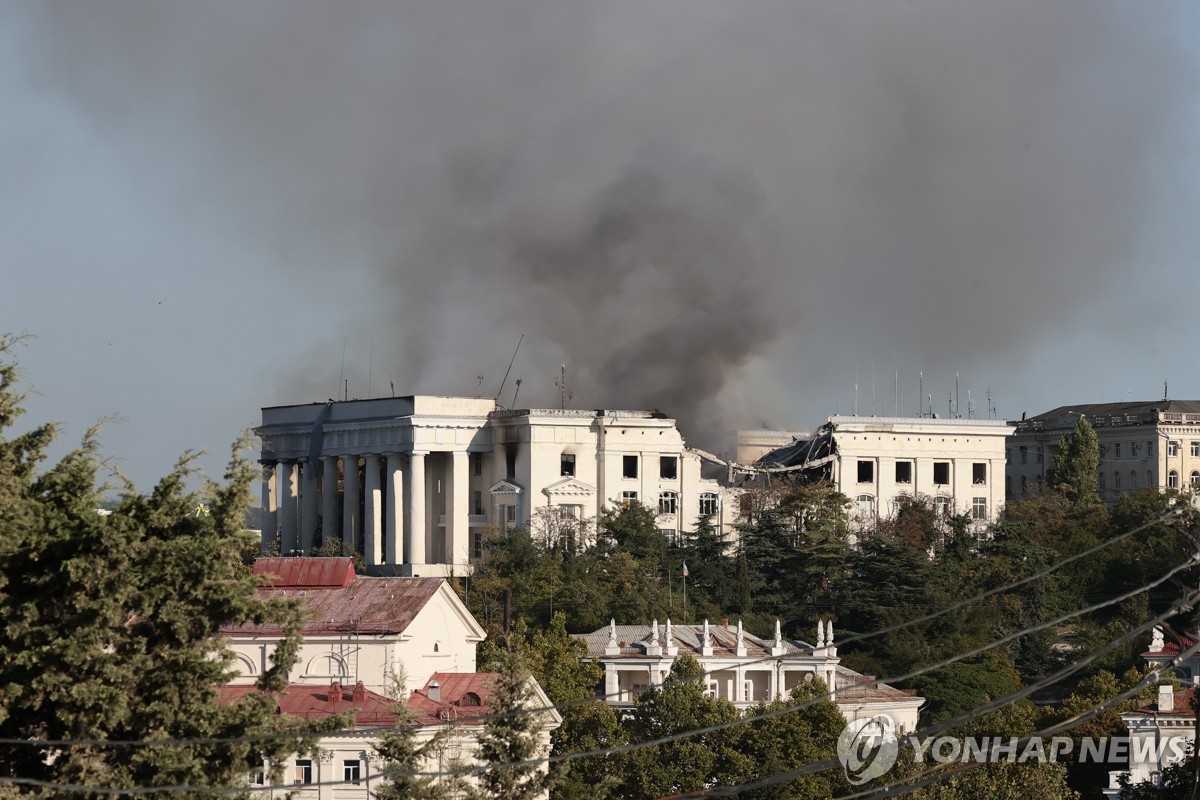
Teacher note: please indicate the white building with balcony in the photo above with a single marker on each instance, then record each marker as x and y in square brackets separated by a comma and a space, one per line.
[414, 483]
[741, 667]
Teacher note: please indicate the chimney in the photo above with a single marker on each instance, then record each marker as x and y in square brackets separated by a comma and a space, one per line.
[1166, 698]
[335, 694]
[360, 693]
[434, 692]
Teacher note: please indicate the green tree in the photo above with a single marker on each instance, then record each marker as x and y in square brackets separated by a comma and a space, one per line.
[406, 760]
[1076, 464]
[511, 741]
[110, 622]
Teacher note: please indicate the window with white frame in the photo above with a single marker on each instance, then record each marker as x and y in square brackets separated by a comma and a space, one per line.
[573, 512]
[748, 691]
[710, 504]
[671, 535]
[352, 771]
[1195, 449]
[628, 497]
[941, 505]
[304, 771]
[713, 690]
[1172, 480]
[668, 502]
[1172, 448]
[1195, 478]
[865, 505]
[979, 508]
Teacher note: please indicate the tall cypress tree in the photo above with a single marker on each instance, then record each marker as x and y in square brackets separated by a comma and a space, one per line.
[1076, 464]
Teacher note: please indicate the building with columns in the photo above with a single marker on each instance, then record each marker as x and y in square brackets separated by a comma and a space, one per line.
[414, 483]
[741, 667]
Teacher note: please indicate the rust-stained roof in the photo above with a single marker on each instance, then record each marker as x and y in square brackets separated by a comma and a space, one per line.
[464, 696]
[1170, 648]
[311, 573]
[464, 699]
[365, 605]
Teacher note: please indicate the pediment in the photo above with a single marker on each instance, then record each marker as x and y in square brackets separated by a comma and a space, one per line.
[569, 487]
[506, 489]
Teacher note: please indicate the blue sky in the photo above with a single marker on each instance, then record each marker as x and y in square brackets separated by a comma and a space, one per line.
[735, 214]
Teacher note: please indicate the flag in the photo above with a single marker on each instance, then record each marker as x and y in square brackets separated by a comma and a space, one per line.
[685, 572]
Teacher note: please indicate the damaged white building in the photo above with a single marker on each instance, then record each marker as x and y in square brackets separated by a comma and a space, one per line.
[415, 483]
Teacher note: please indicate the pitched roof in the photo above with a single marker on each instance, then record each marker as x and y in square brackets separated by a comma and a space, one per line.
[1182, 705]
[370, 709]
[333, 604]
[1170, 647]
[309, 573]
[464, 699]
[462, 696]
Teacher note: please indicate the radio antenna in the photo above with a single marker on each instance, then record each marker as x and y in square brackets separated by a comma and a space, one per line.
[510, 363]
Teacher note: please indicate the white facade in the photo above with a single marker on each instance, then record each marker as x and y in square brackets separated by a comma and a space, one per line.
[360, 635]
[1142, 445]
[740, 667]
[876, 461]
[414, 483]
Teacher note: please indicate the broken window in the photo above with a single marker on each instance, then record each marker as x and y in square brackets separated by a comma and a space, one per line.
[941, 505]
[568, 465]
[865, 505]
[668, 502]
[668, 468]
[941, 473]
[629, 466]
[628, 497]
[866, 471]
[671, 535]
[904, 472]
[709, 504]
[979, 473]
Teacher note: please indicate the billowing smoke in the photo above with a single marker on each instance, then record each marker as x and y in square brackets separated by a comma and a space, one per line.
[721, 210]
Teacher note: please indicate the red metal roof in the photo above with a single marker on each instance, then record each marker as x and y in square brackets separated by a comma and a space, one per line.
[308, 573]
[464, 698]
[464, 695]
[366, 605]
[1171, 648]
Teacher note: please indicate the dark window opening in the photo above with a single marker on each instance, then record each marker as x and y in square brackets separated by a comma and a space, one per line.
[941, 473]
[866, 471]
[979, 474]
[629, 466]
[668, 468]
[568, 465]
[903, 472]
[510, 460]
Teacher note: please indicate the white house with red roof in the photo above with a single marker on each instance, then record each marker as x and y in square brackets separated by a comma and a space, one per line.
[1161, 731]
[371, 645]
[741, 667]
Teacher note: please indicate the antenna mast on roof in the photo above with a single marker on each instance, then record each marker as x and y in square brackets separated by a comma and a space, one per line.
[516, 392]
[1164, 390]
[510, 363]
[921, 394]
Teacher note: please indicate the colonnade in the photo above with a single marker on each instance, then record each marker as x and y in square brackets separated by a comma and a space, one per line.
[382, 508]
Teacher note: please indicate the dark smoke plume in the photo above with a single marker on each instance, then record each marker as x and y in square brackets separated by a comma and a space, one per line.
[724, 210]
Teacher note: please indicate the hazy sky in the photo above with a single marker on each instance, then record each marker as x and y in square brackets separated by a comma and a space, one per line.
[735, 212]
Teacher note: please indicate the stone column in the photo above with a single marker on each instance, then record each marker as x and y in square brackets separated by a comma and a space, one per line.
[269, 519]
[414, 508]
[458, 502]
[372, 511]
[611, 683]
[330, 524]
[351, 513]
[394, 551]
[285, 482]
[308, 504]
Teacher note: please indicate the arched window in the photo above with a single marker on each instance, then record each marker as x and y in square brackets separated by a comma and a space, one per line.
[1100, 481]
[1195, 478]
[1117, 481]
[1172, 480]
[941, 505]
[326, 665]
[865, 505]
[668, 502]
[470, 699]
[1132, 479]
[710, 504]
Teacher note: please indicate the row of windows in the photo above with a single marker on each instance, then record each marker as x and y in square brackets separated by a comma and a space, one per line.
[1115, 451]
[668, 502]
[865, 506]
[668, 466]
[351, 773]
[941, 472]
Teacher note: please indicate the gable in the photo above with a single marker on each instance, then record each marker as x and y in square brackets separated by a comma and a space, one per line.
[570, 487]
